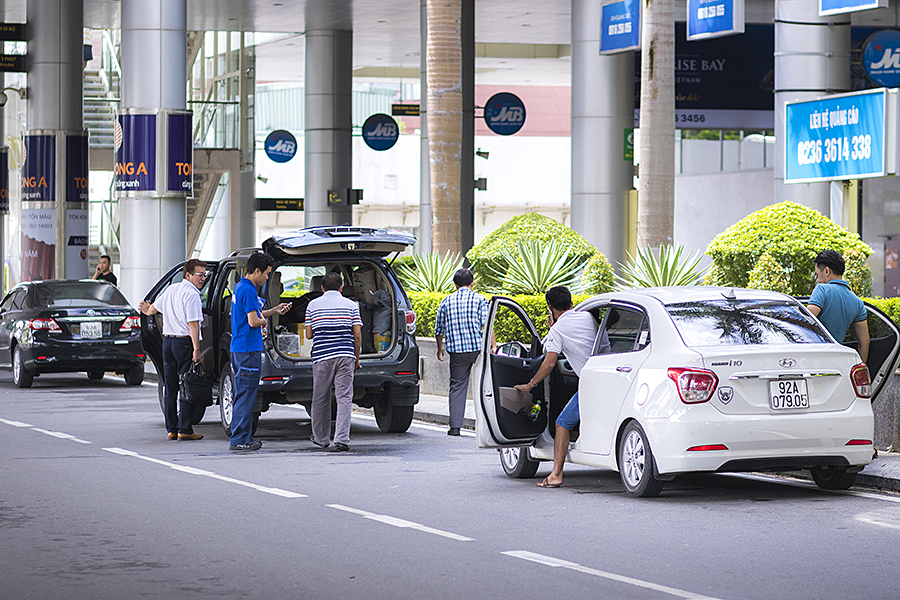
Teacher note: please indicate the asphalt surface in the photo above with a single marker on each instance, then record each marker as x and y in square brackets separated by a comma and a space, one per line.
[96, 503]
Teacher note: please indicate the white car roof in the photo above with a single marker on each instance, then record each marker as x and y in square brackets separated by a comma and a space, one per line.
[699, 293]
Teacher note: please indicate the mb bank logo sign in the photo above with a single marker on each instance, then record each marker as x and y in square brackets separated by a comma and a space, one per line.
[281, 146]
[504, 113]
[881, 57]
[380, 132]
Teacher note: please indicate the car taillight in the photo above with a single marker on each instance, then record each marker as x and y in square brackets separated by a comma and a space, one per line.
[410, 322]
[44, 325]
[862, 383]
[694, 385]
[130, 323]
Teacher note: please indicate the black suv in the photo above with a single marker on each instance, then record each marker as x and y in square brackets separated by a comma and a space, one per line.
[388, 380]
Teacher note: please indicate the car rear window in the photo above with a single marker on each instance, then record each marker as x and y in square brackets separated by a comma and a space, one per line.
[77, 295]
[744, 322]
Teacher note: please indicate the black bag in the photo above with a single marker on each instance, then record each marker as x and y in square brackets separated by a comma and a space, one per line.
[194, 387]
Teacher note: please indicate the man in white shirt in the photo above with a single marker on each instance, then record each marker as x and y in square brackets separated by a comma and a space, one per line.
[182, 310]
[571, 333]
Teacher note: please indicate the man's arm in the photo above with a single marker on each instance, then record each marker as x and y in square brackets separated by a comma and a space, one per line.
[147, 308]
[254, 319]
[861, 328]
[815, 310]
[194, 328]
[440, 346]
[543, 371]
[309, 332]
[357, 342]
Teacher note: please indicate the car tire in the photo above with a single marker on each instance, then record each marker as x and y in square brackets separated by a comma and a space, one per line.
[95, 374]
[517, 463]
[22, 378]
[636, 465]
[833, 478]
[133, 376]
[226, 401]
[392, 418]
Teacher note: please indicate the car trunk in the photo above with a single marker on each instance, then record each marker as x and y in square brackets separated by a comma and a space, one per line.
[90, 324]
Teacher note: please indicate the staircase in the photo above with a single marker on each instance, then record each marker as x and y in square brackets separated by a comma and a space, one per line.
[99, 111]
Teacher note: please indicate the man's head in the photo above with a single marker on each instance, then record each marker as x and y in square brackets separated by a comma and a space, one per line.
[829, 266]
[259, 266]
[559, 298]
[463, 278]
[195, 272]
[331, 282]
[105, 263]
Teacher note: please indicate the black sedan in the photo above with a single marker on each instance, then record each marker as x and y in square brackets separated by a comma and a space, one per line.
[62, 326]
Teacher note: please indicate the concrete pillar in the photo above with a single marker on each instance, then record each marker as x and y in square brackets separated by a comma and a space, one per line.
[602, 108]
[328, 90]
[812, 59]
[467, 149]
[423, 245]
[154, 76]
[243, 212]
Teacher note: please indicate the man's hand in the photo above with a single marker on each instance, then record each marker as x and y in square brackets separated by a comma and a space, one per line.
[197, 357]
[524, 387]
[440, 353]
[144, 306]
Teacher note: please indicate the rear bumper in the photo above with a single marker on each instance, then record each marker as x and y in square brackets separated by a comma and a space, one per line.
[63, 357]
[761, 443]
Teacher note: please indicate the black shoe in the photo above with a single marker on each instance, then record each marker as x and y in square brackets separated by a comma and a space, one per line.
[313, 440]
[339, 447]
[254, 445]
[453, 431]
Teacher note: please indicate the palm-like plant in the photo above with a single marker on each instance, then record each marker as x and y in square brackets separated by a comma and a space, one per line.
[537, 267]
[431, 272]
[645, 270]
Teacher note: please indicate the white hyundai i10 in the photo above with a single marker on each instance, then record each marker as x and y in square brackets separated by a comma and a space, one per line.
[692, 379]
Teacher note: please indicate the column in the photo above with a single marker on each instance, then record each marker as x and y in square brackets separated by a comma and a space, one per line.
[328, 90]
[467, 148]
[602, 108]
[243, 212]
[812, 59]
[423, 245]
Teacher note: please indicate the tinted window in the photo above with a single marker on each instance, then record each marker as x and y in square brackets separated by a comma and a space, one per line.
[744, 322]
[77, 295]
[626, 331]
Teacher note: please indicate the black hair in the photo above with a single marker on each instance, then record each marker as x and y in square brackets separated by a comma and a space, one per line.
[259, 262]
[559, 297]
[191, 265]
[832, 260]
[106, 256]
[331, 281]
[463, 278]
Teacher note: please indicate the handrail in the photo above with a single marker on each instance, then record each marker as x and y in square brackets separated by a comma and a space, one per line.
[107, 41]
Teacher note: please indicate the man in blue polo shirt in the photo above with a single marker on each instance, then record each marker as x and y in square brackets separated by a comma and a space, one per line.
[247, 319]
[835, 305]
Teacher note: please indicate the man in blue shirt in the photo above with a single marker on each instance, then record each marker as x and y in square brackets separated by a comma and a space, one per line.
[835, 305]
[247, 319]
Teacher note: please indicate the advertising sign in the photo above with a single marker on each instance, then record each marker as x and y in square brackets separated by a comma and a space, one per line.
[837, 137]
[405, 110]
[281, 146]
[881, 57]
[76, 243]
[181, 153]
[135, 146]
[714, 18]
[620, 26]
[39, 170]
[77, 168]
[279, 204]
[380, 132]
[4, 181]
[504, 113]
[38, 243]
[834, 7]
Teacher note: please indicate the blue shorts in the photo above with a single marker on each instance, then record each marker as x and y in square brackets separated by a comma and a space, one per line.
[570, 416]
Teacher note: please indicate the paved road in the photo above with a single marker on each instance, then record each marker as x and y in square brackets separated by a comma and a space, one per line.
[96, 503]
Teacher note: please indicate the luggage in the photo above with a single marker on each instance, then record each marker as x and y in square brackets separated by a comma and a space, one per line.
[195, 387]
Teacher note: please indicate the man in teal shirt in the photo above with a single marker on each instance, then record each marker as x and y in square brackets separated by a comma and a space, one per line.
[835, 305]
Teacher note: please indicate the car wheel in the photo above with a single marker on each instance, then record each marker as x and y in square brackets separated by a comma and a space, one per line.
[833, 478]
[636, 463]
[226, 402]
[95, 374]
[133, 376]
[392, 418]
[517, 464]
[22, 378]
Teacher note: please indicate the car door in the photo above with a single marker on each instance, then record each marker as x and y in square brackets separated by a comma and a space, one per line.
[884, 349]
[608, 376]
[505, 417]
[10, 309]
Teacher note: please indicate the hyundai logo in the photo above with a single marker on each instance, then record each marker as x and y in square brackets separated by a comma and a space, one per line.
[787, 362]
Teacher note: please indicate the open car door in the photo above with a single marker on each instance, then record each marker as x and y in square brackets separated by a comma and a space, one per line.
[884, 349]
[505, 417]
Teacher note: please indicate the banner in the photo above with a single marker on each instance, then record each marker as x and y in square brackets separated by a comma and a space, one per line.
[620, 26]
[77, 168]
[714, 18]
[135, 146]
[180, 158]
[39, 170]
[38, 243]
[4, 181]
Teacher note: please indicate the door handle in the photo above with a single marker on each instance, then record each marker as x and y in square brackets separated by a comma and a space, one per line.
[623, 369]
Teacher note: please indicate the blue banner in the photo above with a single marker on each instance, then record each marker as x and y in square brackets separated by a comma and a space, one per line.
[620, 26]
[77, 168]
[834, 7]
[181, 154]
[39, 170]
[4, 181]
[135, 143]
[835, 138]
[714, 18]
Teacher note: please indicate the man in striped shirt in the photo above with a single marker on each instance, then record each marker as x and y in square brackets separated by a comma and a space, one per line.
[334, 326]
[461, 317]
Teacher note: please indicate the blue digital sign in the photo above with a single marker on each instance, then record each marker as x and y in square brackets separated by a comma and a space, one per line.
[836, 138]
[620, 26]
[77, 168]
[835, 7]
[135, 146]
[39, 169]
[504, 113]
[714, 18]
[380, 132]
[281, 146]
[180, 159]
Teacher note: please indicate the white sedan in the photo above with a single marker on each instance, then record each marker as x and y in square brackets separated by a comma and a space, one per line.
[695, 379]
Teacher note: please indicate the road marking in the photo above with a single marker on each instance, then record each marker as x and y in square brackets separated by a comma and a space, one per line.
[61, 435]
[15, 423]
[441, 428]
[403, 523]
[556, 562]
[880, 518]
[813, 486]
[210, 474]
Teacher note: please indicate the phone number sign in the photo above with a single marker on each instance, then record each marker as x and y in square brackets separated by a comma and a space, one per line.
[837, 137]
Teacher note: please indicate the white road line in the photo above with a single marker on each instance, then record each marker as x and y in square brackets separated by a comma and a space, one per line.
[403, 523]
[882, 518]
[15, 423]
[442, 428]
[556, 562]
[210, 474]
[813, 486]
[61, 435]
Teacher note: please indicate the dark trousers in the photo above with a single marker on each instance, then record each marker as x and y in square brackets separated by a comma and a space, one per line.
[460, 367]
[177, 354]
[245, 366]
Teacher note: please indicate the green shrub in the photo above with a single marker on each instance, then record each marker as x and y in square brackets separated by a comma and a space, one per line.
[858, 273]
[769, 274]
[646, 270]
[598, 276]
[792, 234]
[535, 268]
[430, 272]
[493, 249]
[714, 276]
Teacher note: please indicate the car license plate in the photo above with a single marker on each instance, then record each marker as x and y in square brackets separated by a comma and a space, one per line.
[91, 330]
[786, 394]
